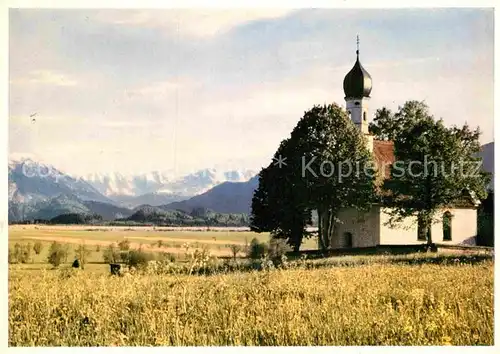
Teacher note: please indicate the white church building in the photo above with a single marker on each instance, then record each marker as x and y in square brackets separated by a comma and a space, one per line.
[457, 225]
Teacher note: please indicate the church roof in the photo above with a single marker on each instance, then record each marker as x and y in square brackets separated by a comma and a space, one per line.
[383, 154]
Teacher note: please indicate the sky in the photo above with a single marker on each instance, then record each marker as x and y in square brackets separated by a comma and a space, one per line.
[133, 91]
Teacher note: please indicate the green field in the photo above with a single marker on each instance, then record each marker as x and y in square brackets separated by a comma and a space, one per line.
[419, 299]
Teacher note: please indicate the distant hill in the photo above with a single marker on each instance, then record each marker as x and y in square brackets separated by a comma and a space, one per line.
[63, 204]
[154, 199]
[198, 217]
[228, 197]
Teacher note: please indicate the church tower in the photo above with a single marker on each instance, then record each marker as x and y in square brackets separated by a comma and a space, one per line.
[357, 89]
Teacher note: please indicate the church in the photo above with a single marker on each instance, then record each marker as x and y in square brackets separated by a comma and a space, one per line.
[457, 225]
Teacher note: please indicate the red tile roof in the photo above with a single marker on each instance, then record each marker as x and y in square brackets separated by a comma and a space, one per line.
[383, 154]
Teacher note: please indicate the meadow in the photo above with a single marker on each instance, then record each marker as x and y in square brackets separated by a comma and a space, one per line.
[424, 299]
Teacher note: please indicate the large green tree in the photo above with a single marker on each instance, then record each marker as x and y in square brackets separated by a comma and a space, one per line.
[279, 205]
[325, 167]
[387, 125]
[436, 167]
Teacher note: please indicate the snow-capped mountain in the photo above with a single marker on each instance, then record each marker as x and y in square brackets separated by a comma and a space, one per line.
[115, 185]
[31, 181]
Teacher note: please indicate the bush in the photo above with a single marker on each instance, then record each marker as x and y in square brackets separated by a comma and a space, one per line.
[111, 254]
[20, 253]
[98, 248]
[278, 248]
[124, 245]
[234, 250]
[81, 254]
[160, 243]
[257, 249]
[57, 254]
[138, 259]
[37, 247]
[166, 257]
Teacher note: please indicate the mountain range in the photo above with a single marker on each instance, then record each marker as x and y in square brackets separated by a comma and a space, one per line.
[164, 182]
[40, 191]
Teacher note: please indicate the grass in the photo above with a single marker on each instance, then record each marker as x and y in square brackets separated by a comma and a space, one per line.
[217, 242]
[415, 299]
[367, 303]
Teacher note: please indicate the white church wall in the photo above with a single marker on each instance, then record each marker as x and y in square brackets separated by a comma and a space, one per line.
[404, 233]
[364, 228]
[463, 228]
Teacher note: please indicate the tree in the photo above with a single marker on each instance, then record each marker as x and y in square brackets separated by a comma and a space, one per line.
[57, 254]
[82, 253]
[124, 245]
[37, 247]
[234, 250]
[436, 167]
[256, 249]
[326, 167]
[111, 254]
[20, 253]
[388, 125]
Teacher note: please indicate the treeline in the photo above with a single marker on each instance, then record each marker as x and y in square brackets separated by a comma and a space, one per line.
[486, 222]
[150, 216]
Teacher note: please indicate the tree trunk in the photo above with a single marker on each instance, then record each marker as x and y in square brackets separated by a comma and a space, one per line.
[326, 228]
[331, 226]
[321, 229]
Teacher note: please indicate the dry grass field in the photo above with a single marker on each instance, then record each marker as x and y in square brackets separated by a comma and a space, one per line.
[174, 240]
[353, 300]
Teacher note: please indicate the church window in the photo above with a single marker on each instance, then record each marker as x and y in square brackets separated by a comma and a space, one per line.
[447, 226]
[364, 116]
[356, 103]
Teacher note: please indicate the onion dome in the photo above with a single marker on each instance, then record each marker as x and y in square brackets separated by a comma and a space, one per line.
[357, 82]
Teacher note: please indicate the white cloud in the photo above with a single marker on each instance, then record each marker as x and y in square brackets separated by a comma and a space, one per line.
[196, 23]
[45, 77]
[162, 89]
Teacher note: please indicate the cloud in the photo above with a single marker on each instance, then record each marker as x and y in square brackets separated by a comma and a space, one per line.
[44, 77]
[162, 89]
[194, 23]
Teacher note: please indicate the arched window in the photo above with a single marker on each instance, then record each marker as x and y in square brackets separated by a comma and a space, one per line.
[447, 226]
[364, 116]
[348, 239]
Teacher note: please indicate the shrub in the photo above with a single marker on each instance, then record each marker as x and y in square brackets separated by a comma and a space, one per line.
[257, 249]
[278, 248]
[57, 254]
[37, 247]
[98, 248]
[234, 250]
[160, 243]
[138, 259]
[111, 254]
[124, 245]
[82, 253]
[166, 257]
[20, 253]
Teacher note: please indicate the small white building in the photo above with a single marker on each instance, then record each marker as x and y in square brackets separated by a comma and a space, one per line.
[456, 225]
